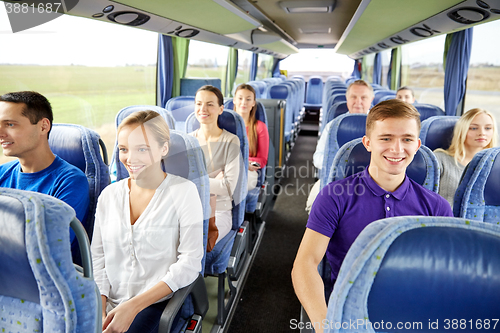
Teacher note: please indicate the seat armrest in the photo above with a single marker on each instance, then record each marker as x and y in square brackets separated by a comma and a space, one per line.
[198, 291]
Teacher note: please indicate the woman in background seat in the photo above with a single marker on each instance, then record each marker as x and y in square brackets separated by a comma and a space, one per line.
[258, 136]
[474, 131]
[222, 156]
[148, 235]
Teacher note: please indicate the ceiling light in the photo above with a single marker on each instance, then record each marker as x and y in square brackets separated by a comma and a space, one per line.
[314, 6]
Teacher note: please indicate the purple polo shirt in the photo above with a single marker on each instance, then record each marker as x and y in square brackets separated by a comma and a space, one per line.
[345, 207]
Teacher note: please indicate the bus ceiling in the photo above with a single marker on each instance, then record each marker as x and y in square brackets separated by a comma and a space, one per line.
[280, 28]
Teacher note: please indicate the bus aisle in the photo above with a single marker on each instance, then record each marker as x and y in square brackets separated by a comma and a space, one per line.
[268, 302]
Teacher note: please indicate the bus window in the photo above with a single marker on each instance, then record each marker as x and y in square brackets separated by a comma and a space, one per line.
[264, 66]
[422, 70]
[322, 62]
[386, 60]
[87, 69]
[367, 67]
[483, 79]
[207, 60]
[244, 63]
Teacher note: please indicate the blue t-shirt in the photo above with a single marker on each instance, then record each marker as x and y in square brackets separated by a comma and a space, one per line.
[345, 207]
[60, 180]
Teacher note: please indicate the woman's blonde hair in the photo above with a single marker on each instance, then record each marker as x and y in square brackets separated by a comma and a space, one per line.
[252, 121]
[153, 121]
[457, 147]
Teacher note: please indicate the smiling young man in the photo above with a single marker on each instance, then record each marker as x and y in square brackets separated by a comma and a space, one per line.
[345, 207]
[25, 123]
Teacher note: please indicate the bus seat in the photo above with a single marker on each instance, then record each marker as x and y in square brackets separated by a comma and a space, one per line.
[185, 158]
[353, 157]
[40, 288]
[283, 92]
[189, 86]
[126, 111]
[302, 92]
[418, 270]
[386, 98]
[477, 196]
[437, 131]
[180, 107]
[314, 93]
[379, 94]
[334, 111]
[81, 147]
[231, 252]
[344, 128]
[428, 110]
[260, 86]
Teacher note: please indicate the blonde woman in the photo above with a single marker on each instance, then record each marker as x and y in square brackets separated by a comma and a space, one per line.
[258, 136]
[474, 131]
[148, 235]
[222, 158]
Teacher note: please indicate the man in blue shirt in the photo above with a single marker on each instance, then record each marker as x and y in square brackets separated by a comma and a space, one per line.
[25, 123]
[345, 207]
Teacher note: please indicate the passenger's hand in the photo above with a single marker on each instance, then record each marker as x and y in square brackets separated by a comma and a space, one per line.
[252, 168]
[120, 318]
[220, 175]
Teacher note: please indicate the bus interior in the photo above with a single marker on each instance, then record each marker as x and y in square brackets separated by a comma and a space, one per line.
[95, 58]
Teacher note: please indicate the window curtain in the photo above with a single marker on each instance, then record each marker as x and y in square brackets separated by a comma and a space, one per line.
[232, 70]
[276, 67]
[356, 72]
[164, 70]
[394, 76]
[456, 65]
[253, 66]
[377, 69]
[181, 53]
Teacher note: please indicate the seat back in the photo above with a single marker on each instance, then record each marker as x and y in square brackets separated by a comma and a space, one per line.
[419, 270]
[284, 92]
[81, 147]
[344, 128]
[40, 289]
[477, 196]
[126, 111]
[379, 94]
[437, 131]
[233, 123]
[180, 107]
[428, 110]
[253, 195]
[314, 90]
[353, 157]
[334, 111]
[217, 259]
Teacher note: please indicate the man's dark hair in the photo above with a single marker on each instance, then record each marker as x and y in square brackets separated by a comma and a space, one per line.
[36, 106]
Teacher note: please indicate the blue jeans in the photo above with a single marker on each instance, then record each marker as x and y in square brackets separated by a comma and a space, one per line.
[148, 320]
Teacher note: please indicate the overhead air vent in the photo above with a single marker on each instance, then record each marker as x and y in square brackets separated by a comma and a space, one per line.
[312, 31]
[303, 7]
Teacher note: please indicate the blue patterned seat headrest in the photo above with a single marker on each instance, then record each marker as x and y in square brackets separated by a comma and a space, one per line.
[437, 131]
[452, 274]
[128, 110]
[336, 110]
[177, 160]
[181, 107]
[491, 197]
[16, 277]
[352, 127]
[66, 142]
[358, 158]
[428, 110]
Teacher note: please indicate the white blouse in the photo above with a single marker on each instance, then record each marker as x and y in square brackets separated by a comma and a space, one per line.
[164, 244]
